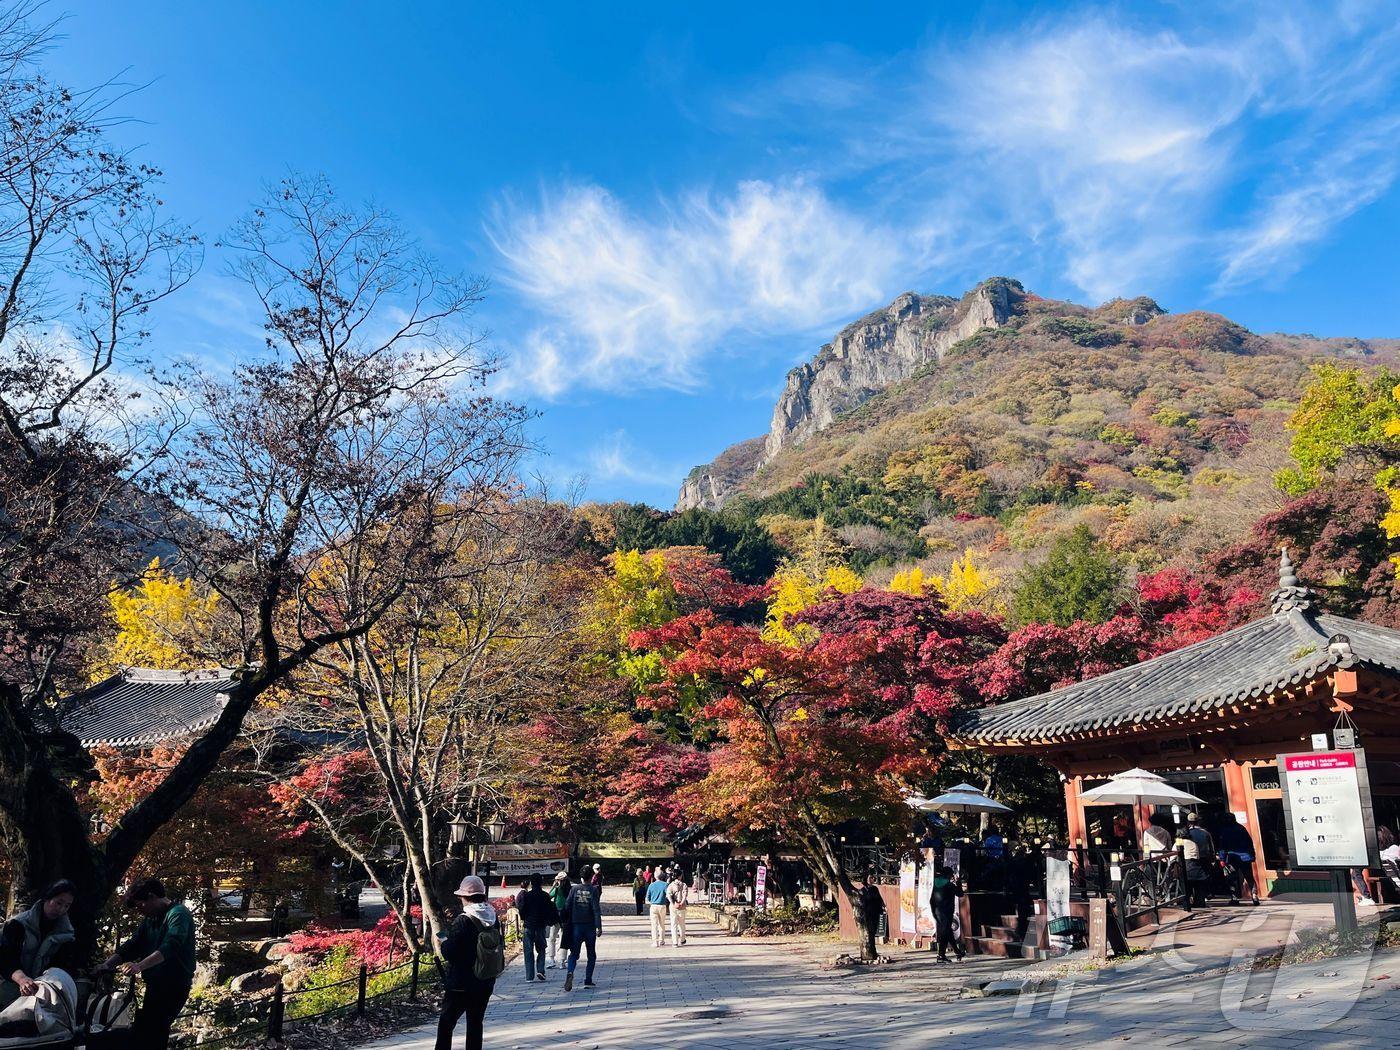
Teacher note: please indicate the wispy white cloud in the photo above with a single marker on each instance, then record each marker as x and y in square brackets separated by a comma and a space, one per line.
[634, 300]
[616, 458]
[1085, 149]
[1309, 205]
[1106, 142]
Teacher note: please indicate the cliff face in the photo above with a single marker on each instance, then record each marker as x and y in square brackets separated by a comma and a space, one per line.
[709, 485]
[878, 351]
[865, 358]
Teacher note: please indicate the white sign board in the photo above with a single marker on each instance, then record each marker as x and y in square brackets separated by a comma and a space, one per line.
[1327, 827]
[1057, 896]
[924, 923]
[908, 896]
[527, 858]
[760, 888]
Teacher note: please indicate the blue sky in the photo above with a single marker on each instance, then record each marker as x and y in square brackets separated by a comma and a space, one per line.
[674, 203]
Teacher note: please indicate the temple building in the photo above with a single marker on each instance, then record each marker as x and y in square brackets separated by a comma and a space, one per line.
[139, 707]
[1212, 717]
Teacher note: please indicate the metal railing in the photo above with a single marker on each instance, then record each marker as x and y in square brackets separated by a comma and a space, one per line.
[1146, 886]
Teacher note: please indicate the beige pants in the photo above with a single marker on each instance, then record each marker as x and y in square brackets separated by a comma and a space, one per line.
[552, 952]
[677, 926]
[658, 924]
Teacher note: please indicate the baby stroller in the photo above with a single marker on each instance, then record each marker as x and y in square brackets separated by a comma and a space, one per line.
[107, 1019]
[50, 1019]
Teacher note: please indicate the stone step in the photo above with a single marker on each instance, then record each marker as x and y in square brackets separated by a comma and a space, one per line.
[991, 946]
[997, 933]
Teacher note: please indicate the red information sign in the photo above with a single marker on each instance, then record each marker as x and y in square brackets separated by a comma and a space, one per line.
[1328, 760]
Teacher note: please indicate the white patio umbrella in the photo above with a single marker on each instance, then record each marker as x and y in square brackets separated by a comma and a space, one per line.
[964, 798]
[1138, 785]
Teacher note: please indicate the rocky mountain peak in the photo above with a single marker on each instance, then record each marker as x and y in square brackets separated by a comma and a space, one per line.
[880, 349]
[865, 357]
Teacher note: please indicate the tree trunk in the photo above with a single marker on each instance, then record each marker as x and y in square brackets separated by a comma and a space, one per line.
[45, 834]
[822, 852]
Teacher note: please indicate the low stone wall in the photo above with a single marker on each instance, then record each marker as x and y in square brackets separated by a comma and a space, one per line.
[734, 918]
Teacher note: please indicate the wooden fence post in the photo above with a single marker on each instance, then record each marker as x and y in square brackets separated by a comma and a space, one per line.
[364, 987]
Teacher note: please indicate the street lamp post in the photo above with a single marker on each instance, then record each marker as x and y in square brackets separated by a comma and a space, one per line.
[495, 831]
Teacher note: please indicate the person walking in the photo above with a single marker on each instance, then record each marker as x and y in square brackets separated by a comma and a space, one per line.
[639, 889]
[162, 951]
[596, 879]
[558, 894]
[656, 899]
[678, 896]
[475, 949]
[584, 912]
[37, 938]
[944, 899]
[537, 915]
[1237, 848]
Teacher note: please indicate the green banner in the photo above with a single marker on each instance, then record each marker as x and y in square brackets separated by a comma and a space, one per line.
[627, 850]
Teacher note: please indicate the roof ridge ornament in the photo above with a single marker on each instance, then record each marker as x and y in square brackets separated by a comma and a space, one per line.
[1291, 596]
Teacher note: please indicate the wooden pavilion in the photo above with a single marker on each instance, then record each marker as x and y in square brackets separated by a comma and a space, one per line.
[1212, 717]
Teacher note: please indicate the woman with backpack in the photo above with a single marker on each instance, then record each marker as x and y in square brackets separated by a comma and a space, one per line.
[475, 950]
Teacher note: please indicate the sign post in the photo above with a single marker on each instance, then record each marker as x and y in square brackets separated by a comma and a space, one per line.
[760, 888]
[1327, 808]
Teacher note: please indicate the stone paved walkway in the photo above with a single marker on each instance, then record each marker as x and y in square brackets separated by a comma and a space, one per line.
[766, 997]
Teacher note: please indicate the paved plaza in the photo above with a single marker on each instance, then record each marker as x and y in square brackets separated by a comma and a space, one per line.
[723, 991]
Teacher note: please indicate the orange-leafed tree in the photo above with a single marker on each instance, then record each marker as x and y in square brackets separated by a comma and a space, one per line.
[806, 737]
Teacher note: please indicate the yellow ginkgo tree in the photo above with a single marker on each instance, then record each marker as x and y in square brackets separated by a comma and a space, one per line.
[163, 622]
[798, 586]
[967, 584]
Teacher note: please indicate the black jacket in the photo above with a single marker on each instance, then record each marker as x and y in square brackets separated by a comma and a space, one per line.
[944, 897]
[536, 908]
[459, 949]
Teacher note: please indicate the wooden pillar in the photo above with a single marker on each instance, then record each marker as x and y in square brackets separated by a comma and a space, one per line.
[1142, 813]
[1236, 797]
[1074, 811]
[1239, 798]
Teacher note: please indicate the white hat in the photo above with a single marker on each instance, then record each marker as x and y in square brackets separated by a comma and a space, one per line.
[561, 876]
[597, 867]
[471, 887]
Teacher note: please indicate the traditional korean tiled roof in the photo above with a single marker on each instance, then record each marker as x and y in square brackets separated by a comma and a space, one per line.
[1293, 645]
[139, 706]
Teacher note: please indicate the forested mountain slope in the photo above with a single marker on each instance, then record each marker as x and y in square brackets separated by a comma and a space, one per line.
[1001, 419]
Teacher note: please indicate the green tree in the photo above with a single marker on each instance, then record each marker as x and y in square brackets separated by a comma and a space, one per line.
[744, 546]
[1078, 580]
[1344, 412]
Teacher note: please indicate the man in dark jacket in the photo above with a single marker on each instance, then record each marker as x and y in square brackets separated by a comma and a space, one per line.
[584, 912]
[537, 915]
[162, 951]
[943, 899]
